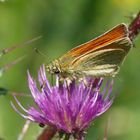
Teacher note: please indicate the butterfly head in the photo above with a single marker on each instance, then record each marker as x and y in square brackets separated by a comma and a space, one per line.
[53, 67]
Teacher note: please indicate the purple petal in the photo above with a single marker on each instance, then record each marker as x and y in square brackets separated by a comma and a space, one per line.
[69, 106]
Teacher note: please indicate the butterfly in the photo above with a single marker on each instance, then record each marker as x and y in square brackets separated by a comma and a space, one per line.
[99, 57]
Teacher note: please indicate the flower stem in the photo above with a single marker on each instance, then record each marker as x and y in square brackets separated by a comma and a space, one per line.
[47, 134]
[134, 27]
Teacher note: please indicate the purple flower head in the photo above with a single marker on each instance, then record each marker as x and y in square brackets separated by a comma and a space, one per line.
[68, 108]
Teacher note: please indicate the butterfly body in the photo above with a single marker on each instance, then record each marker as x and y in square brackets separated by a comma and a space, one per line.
[99, 57]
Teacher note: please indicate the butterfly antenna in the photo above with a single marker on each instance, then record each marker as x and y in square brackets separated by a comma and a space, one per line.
[40, 53]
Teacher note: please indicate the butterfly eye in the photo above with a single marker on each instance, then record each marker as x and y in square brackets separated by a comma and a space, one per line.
[56, 70]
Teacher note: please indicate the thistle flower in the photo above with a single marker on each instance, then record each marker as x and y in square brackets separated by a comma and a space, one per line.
[67, 108]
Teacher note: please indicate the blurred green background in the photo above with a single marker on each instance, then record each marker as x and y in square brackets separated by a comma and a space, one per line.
[65, 24]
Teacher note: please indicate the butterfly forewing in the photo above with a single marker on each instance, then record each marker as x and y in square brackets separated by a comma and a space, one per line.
[109, 37]
[101, 56]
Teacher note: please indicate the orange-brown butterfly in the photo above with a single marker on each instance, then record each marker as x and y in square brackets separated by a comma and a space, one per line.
[99, 57]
